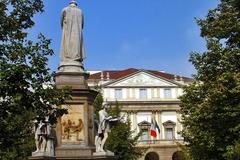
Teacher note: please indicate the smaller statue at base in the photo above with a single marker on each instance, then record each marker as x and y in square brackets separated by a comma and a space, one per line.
[44, 139]
[103, 129]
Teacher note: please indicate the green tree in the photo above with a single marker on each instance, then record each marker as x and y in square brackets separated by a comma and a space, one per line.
[211, 105]
[26, 86]
[97, 105]
[121, 140]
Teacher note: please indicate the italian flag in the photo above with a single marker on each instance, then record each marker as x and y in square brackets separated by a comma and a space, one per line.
[154, 128]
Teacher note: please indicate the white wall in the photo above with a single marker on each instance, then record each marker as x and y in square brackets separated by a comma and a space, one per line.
[169, 115]
[143, 116]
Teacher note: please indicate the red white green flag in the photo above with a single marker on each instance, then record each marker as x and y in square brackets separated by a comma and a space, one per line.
[154, 128]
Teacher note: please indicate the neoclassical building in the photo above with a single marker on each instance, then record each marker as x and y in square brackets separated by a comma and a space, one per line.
[146, 95]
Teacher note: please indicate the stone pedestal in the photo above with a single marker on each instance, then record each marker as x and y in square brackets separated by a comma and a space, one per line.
[74, 80]
[107, 153]
[75, 130]
[71, 66]
[42, 158]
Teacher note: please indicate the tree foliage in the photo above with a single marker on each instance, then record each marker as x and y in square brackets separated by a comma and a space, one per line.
[26, 89]
[211, 105]
[121, 140]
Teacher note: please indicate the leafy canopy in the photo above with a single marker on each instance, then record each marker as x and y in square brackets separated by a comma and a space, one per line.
[211, 105]
[26, 90]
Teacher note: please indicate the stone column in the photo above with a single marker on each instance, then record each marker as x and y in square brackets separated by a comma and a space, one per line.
[160, 124]
[178, 125]
[134, 123]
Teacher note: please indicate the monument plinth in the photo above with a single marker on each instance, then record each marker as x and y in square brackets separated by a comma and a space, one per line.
[74, 80]
[75, 139]
[75, 130]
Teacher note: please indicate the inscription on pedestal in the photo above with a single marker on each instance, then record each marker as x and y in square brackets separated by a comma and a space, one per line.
[73, 80]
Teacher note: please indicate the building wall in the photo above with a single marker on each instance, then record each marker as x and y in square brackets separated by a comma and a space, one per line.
[134, 93]
[163, 147]
[155, 103]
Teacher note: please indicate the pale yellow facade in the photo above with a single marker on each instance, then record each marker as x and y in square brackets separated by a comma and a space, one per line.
[144, 96]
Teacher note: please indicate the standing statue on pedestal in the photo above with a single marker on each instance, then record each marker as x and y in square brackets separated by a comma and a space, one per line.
[103, 129]
[44, 139]
[72, 47]
[40, 137]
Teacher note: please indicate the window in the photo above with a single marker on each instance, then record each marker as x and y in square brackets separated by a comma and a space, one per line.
[169, 129]
[144, 127]
[145, 135]
[167, 93]
[143, 94]
[118, 93]
[169, 133]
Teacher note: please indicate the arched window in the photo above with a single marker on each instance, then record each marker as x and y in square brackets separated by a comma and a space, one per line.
[177, 155]
[151, 156]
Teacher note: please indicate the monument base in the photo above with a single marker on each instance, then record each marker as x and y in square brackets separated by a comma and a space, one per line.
[73, 151]
[107, 153]
[88, 158]
[74, 80]
[71, 66]
[42, 153]
[81, 153]
[41, 158]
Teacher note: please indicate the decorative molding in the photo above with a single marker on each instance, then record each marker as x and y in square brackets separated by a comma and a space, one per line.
[142, 79]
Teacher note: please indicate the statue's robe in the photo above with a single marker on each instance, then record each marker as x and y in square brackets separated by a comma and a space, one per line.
[72, 47]
[103, 122]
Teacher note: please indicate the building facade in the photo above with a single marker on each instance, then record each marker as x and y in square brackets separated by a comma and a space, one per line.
[147, 95]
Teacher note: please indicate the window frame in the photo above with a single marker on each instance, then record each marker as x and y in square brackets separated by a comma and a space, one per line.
[118, 93]
[143, 95]
[167, 92]
[169, 125]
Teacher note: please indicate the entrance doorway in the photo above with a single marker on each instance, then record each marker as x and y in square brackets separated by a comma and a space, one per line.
[151, 156]
[177, 155]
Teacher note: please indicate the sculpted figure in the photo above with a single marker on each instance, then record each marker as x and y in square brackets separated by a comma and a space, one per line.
[40, 137]
[72, 47]
[103, 128]
[69, 129]
[44, 139]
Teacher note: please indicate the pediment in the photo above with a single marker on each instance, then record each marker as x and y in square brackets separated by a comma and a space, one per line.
[169, 123]
[144, 123]
[142, 79]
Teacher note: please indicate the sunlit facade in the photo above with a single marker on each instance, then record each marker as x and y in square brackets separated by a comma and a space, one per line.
[145, 95]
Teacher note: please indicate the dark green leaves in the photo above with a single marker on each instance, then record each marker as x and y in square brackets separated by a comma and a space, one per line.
[27, 90]
[211, 105]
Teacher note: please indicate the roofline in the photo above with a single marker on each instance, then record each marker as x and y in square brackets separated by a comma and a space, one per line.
[142, 70]
[173, 102]
[142, 86]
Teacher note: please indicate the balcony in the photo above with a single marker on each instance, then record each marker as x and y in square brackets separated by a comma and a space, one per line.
[161, 142]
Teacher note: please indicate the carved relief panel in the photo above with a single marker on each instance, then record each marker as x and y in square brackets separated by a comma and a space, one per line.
[72, 125]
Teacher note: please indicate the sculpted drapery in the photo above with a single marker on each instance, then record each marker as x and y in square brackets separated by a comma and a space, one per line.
[72, 47]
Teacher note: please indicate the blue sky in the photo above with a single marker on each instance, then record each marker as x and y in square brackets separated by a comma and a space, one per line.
[119, 34]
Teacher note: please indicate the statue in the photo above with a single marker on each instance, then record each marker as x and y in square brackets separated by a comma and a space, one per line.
[103, 128]
[72, 47]
[40, 137]
[44, 139]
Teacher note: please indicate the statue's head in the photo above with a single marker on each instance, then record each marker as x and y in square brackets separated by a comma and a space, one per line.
[46, 119]
[73, 2]
[105, 105]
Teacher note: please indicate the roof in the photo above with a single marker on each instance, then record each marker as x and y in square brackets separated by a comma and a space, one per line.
[117, 74]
